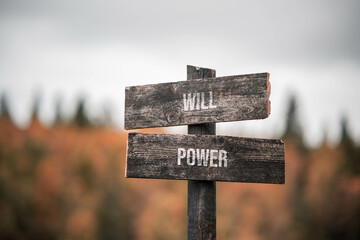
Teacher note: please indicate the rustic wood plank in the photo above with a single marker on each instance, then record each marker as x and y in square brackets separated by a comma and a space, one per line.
[201, 206]
[202, 210]
[209, 100]
[166, 157]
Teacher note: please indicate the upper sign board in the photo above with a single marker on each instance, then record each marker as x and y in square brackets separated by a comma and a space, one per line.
[207, 100]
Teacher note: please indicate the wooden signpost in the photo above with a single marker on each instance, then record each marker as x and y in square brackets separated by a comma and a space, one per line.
[201, 157]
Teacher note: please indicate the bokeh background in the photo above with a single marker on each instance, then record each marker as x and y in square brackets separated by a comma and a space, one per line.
[64, 66]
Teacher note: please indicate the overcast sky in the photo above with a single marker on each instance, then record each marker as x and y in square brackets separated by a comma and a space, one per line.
[94, 49]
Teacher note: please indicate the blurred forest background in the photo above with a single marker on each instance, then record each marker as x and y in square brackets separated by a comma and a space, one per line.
[66, 181]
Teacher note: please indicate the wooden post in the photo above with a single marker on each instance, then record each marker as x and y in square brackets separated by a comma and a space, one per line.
[201, 194]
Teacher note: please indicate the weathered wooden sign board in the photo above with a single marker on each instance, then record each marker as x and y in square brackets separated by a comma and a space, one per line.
[205, 157]
[200, 102]
[206, 100]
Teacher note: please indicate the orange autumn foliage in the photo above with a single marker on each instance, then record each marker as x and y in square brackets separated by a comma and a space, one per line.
[68, 183]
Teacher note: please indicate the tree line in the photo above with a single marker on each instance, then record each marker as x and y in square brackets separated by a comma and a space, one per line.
[292, 131]
[80, 118]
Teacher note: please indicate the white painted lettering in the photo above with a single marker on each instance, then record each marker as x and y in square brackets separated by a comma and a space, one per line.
[211, 100]
[191, 159]
[181, 154]
[222, 158]
[189, 102]
[203, 106]
[213, 157]
[203, 157]
[198, 101]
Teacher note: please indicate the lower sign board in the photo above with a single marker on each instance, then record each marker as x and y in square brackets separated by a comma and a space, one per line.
[205, 157]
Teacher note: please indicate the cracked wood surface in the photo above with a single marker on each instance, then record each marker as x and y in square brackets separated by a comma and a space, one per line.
[241, 97]
[248, 159]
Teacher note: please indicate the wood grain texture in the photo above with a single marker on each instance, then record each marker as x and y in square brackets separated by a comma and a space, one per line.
[201, 210]
[248, 159]
[241, 97]
[201, 205]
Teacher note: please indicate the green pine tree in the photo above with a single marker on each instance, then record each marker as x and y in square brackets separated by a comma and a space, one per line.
[293, 128]
[350, 151]
[80, 118]
[35, 108]
[58, 114]
[4, 108]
